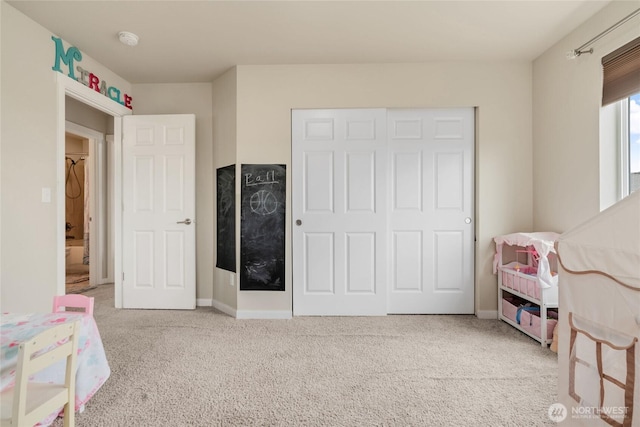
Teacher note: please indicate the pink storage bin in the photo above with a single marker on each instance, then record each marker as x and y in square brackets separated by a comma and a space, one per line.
[530, 322]
[509, 310]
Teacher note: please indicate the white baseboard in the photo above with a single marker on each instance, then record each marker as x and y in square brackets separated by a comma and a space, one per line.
[487, 314]
[263, 314]
[204, 302]
[250, 314]
[223, 308]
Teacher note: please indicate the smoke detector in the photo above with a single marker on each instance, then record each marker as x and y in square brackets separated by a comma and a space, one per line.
[128, 38]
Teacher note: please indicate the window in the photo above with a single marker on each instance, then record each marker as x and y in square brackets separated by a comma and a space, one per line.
[621, 91]
[631, 142]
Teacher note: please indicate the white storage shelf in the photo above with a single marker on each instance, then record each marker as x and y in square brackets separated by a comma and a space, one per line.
[518, 283]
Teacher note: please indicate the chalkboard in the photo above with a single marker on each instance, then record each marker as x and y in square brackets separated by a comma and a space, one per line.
[226, 217]
[262, 227]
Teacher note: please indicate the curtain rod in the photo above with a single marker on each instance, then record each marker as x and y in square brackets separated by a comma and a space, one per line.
[572, 54]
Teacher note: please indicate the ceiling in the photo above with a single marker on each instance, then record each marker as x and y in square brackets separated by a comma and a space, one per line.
[195, 41]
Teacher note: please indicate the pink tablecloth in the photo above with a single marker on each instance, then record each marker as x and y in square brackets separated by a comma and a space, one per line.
[92, 367]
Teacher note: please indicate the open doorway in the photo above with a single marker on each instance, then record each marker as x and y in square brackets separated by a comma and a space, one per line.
[88, 234]
[77, 215]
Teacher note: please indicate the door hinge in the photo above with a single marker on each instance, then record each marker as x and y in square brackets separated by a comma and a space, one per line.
[123, 276]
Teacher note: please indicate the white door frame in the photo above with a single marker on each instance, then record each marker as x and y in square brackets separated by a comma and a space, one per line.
[96, 197]
[80, 92]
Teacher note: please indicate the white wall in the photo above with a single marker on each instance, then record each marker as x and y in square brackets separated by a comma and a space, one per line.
[28, 130]
[501, 91]
[570, 183]
[224, 153]
[191, 98]
[84, 115]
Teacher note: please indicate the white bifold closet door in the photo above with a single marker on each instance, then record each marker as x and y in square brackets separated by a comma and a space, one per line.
[431, 234]
[339, 205]
[382, 211]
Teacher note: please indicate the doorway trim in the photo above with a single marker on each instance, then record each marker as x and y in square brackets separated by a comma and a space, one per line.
[80, 92]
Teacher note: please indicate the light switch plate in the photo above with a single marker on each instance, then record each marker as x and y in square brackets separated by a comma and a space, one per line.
[46, 195]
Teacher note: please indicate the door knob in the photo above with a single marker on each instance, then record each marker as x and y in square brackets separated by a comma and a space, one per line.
[467, 220]
[298, 222]
[186, 221]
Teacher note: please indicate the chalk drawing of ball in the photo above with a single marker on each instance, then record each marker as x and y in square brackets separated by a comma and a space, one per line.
[263, 202]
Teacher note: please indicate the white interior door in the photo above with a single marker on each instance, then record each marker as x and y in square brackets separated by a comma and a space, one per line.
[339, 212]
[431, 211]
[158, 220]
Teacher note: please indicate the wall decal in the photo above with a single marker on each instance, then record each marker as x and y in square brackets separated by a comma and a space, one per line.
[87, 78]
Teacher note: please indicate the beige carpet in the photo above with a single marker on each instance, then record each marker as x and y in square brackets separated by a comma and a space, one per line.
[203, 368]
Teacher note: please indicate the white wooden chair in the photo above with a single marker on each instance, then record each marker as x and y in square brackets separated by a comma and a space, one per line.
[27, 403]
